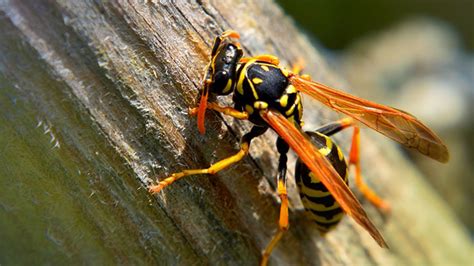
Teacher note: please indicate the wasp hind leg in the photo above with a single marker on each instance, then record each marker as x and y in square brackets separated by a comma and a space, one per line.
[354, 159]
[214, 168]
[283, 223]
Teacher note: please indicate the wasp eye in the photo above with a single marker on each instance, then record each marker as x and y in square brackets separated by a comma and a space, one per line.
[220, 80]
[221, 76]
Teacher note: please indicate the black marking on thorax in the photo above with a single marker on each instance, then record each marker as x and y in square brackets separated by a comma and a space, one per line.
[264, 82]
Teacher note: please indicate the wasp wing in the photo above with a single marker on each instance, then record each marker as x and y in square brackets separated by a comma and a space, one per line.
[321, 167]
[393, 123]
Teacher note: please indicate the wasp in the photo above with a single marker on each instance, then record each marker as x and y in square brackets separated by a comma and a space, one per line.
[269, 96]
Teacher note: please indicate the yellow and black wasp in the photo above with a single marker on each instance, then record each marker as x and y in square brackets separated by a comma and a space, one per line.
[269, 96]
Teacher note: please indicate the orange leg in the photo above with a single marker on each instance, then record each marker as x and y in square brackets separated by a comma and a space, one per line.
[298, 66]
[214, 168]
[282, 223]
[354, 159]
[222, 109]
[368, 193]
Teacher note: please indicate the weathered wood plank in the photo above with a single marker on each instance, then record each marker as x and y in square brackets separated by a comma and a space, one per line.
[115, 79]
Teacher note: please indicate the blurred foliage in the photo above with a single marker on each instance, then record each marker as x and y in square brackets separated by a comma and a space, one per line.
[338, 23]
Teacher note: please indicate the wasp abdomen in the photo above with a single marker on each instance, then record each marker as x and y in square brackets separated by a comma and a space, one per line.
[319, 204]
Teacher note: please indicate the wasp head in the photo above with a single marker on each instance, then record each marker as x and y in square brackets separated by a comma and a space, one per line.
[222, 68]
[220, 75]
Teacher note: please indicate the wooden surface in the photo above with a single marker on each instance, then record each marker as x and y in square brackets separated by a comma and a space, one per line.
[95, 96]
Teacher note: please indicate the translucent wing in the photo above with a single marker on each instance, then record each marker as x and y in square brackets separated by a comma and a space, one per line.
[393, 123]
[319, 166]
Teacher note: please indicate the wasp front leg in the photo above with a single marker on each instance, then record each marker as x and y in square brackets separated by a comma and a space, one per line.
[214, 168]
[283, 223]
[222, 109]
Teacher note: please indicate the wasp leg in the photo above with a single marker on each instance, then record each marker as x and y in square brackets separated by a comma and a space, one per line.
[354, 159]
[267, 58]
[298, 66]
[283, 224]
[214, 168]
[222, 109]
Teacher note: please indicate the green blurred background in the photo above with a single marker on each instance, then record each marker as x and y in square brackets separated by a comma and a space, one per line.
[338, 23]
